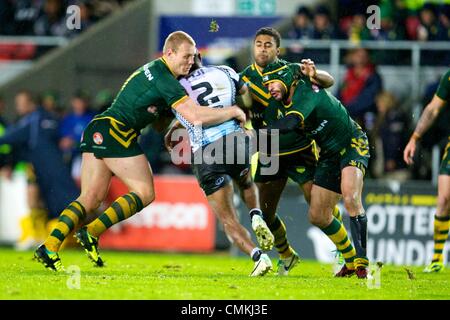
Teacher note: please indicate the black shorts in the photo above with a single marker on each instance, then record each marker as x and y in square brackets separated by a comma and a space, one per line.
[226, 159]
[299, 166]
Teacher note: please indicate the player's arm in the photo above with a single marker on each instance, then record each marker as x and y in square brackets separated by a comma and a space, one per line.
[429, 115]
[199, 115]
[168, 142]
[319, 77]
[175, 95]
[244, 99]
[17, 134]
[284, 125]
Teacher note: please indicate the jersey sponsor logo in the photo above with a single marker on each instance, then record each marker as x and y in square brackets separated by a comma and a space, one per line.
[147, 73]
[165, 215]
[98, 138]
[300, 169]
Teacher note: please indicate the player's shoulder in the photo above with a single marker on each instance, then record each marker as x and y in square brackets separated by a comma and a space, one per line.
[248, 71]
[228, 71]
[446, 77]
[155, 67]
[305, 87]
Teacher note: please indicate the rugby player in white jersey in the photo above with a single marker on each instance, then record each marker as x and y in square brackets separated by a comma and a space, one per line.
[220, 155]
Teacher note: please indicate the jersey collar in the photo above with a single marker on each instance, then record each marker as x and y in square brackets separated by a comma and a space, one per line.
[167, 65]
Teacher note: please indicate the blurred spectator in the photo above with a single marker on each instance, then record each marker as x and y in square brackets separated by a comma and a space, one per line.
[361, 84]
[391, 132]
[26, 12]
[444, 20]
[324, 28]
[49, 101]
[357, 30]
[5, 150]
[349, 8]
[52, 22]
[102, 8]
[302, 27]
[71, 130]
[390, 30]
[430, 28]
[36, 136]
[103, 100]
[87, 17]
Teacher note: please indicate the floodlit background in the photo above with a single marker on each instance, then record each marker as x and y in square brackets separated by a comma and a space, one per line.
[76, 72]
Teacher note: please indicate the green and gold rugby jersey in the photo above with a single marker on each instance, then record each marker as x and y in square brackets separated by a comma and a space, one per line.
[443, 92]
[153, 84]
[324, 118]
[267, 110]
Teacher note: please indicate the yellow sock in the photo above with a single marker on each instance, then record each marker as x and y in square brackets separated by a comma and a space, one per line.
[337, 214]
[337, 233]
[121, 209]
[67, 221]
[281, 243]
[441, 226]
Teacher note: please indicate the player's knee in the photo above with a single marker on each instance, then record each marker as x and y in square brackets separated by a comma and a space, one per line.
[443, 205]
[90, 201]
[245, 184]
[146, 196]
[317, 219]
[351, 200]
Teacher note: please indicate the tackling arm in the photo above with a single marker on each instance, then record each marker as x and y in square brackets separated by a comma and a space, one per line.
[199, 115]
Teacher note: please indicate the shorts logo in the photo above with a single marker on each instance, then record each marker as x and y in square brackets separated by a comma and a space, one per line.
[244, 172]
[300, 169]
[219, 181]
[98, 138]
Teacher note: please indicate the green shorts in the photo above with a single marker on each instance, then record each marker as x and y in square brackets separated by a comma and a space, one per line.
[299, 166]
[445, 164]
[106, 137]
[328, 171]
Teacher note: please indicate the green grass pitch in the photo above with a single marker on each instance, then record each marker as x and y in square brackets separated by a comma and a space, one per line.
[137, 275]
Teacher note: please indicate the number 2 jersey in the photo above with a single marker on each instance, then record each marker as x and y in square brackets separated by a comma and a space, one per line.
[214, 87]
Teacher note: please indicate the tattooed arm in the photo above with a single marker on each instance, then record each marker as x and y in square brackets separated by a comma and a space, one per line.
[429, 115]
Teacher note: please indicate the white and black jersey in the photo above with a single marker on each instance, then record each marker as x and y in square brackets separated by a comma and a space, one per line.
[214, 87]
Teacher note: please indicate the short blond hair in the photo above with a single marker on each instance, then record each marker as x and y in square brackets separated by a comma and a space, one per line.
[175, 39]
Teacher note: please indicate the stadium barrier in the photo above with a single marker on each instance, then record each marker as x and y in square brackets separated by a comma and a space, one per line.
[400, 220]
[400, 223]
[178, 220]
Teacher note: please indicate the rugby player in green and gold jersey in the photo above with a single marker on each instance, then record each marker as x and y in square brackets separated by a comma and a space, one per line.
[344, 154]
[442, 217]
[109, 147]
[297, 154]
